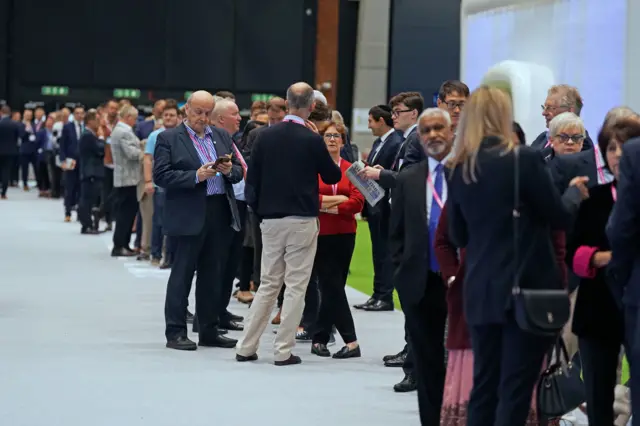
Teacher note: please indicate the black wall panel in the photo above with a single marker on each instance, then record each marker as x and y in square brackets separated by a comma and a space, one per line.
[268, 53]
[5, 13]
[129, 43]
[51, 42]
[199, 47]
[424, 45]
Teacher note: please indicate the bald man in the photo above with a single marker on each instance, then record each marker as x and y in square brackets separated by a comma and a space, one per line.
[195, 165]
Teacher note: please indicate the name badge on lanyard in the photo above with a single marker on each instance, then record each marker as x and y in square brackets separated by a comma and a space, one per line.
[434, 192]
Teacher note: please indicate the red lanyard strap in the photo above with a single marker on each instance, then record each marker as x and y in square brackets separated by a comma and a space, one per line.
[436, 196]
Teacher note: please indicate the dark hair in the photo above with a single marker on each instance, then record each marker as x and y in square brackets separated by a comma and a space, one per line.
[382, 111]
[258, 105]
[622, 130]
[517, 129]
[92, 114]
[320, 113]
[80, 106]
[5, 109]
[250, 126]
[413, 100]
[171, 104]
[453, 86]
[226, 94]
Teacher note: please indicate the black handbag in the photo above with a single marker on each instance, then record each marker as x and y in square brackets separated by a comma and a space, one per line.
[539, 311]
[560, 388]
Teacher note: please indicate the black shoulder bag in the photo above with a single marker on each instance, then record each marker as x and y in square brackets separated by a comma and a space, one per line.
[537, 311]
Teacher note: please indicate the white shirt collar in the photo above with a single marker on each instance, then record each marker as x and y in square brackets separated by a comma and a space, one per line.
[409, 130]
[294, 118]
[384, 137]
[433, 163]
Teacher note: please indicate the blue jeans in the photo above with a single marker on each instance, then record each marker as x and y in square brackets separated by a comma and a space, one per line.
[157, 232]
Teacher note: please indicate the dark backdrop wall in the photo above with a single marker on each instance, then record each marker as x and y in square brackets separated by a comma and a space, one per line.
[246, 46]
[424, 45]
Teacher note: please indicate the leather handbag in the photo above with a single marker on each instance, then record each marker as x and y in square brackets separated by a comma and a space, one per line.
[560, 388]
[539, 311]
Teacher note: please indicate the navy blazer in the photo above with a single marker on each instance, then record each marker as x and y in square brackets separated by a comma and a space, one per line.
[566, 167]
[624, 228]
[69, 142]
[415, 152]
[385, 158]
[9, 135]
[91, 150]
[29, 144]
[144, 129]
[481, 221]
[387, 178]
[175, 163]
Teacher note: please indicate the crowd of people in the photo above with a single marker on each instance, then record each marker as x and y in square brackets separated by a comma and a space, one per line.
[470, 213]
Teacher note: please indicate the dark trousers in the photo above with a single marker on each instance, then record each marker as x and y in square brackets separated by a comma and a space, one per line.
[138, 221]
[235, 256]
[206, 253]
[382, 268]
[311, 303]
[43, 173]
[127, 207]
[246, 269]
[599, 373]
[25, 161]
[157, 232]
[15, 170]
[425, 322]
[71, 189]
[507, 364]
[332, 261]
[90, 190]
[257, 248]
[55, 176]
[108, 197]
[6, 166]
[632, 338]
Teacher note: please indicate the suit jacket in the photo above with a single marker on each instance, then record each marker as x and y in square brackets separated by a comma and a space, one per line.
[9, 136]
[481, 221]
[540, 142]
[388, 176]
[624, 228]
[127, 156]
[29, 144]
[91, 156]
[596, 313]
[69, 142]
[409, 242]
[144, 129]
[385, 158]
[415, 152]
[175, 163]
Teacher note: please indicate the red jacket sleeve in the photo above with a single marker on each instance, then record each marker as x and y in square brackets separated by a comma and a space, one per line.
[354, 204]
[446, 253]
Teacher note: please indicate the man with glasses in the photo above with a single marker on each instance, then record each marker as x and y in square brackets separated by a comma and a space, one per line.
[560, 98]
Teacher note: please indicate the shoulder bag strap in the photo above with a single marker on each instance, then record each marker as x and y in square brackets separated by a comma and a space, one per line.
[516, 217]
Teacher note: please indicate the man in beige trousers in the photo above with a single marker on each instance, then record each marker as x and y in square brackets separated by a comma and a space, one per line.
[282, 189]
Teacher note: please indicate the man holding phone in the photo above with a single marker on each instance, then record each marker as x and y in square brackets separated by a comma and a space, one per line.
[193, 163]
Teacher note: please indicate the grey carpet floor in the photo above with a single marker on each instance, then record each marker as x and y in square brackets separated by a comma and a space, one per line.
[82, 343]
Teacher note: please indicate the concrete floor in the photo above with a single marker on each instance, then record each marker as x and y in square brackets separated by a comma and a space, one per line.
[83, 344]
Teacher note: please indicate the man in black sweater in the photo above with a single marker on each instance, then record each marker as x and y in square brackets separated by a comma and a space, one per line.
[91, 174]
[282, 189]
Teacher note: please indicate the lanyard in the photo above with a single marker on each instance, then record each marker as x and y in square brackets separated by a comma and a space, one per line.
[436, 197]
[244, 165]
[599, 168]
[614, 193]
[334, 188]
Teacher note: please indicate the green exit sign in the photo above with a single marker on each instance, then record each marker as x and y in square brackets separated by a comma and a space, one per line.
[54, 90]
[264, 97]
[187, 95]
[126, 93]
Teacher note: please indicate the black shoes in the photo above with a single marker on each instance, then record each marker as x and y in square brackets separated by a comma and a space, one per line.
[371, 301]
[242, 358]
[389, 357]
[379, 306]
[219, 341]
[345, 353]
[320, 350]
[293, 360]
[182, 343]
[397, 361]
[232, 326]
[408, 384]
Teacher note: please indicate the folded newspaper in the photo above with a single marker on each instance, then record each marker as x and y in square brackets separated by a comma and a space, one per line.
[372, 192]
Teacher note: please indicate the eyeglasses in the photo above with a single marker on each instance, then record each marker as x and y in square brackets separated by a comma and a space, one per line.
[453, 104]
[564, 138]
[549, 108]
[397, 112]
[332, 136]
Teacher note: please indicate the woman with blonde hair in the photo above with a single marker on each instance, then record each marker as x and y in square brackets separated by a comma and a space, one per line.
[489, 169]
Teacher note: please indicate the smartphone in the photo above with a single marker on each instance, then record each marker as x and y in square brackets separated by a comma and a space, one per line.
[220, 160]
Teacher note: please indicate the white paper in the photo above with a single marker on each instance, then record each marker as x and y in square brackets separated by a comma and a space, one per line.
[372, 192]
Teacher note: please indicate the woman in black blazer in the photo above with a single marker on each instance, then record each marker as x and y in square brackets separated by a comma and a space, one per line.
[507, 360]
[597, 320]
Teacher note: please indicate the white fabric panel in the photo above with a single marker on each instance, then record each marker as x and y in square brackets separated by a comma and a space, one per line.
[581, 42]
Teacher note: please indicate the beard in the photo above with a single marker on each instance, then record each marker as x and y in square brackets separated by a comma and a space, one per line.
[435, 148]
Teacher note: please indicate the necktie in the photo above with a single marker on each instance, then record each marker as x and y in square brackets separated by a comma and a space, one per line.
[374, 148]
[434, 215]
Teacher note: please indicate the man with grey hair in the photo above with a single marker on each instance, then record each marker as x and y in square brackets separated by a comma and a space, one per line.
[421, 192]
[127, 159]
[282, 190]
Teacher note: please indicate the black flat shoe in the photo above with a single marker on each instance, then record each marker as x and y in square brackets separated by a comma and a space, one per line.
[182, 343]
[345, 353]
[242, 358]
[408, 384]
[371, 301]
[218, 342]
[390, 357]
[232, 326]
[293, 360]
[379, 306]
[397, 361]
[234, 317]
[320, 350]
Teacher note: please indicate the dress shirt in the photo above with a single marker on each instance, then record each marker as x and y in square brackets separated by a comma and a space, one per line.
[205, 147]
[294, 118]
[409, 130]
[383, 138]
[433, 163]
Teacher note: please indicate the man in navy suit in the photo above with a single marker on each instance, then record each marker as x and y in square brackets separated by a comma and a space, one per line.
[9, 135]
[91, 152]
[624, 236]
[69, 157]
[194, 164]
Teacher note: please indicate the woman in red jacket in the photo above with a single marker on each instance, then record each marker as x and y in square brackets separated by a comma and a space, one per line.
[338, 206]
[459, 379]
